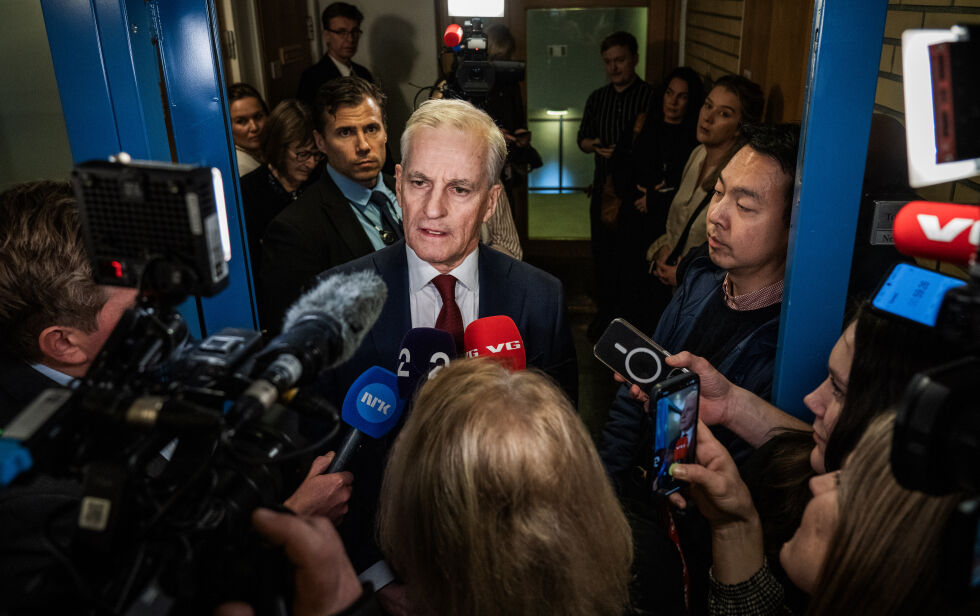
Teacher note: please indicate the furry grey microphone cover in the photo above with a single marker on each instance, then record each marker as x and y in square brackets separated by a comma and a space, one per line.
[353, 300]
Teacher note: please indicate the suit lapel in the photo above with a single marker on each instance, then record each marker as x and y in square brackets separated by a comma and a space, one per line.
[396, 316]
[498, 293]
[338, 211]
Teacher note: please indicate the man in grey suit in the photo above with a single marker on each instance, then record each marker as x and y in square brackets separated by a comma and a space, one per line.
[349, 212]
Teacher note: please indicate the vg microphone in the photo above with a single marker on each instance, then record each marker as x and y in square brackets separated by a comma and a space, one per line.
[371, 407]
[943, 231]
[496, 337]
[453, 35]
[423, 351]
[321, 330]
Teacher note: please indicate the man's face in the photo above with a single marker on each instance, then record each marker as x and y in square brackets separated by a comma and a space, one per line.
[354, 141]
[341, 38]
[247, 122]
[444, 195]
[719, 118]
[746, 230]
[620, 65]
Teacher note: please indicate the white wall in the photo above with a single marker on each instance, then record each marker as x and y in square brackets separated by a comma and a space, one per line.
[33, 138]
[400, 47]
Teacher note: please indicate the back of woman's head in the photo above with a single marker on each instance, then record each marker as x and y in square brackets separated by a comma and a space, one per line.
[887, 353]
[495, 502]
[290, 122]
[884, 557]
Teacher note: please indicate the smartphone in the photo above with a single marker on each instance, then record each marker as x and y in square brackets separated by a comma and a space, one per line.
[914, 293]
[676, 428]
[627, 351]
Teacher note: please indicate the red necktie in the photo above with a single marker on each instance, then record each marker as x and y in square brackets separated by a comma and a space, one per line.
[450, 319]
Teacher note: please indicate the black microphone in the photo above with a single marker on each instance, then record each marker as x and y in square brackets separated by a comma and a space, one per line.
[423, 351]
[321, 330]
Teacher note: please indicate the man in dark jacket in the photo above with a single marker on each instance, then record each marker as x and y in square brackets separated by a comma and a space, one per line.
[727, 304]
[341, 34]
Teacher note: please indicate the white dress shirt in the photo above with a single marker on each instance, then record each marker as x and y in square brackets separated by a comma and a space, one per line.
[424, 297]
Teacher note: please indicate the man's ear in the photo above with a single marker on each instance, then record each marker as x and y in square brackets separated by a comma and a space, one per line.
[63, 347]
[398, 183]
[494, 197]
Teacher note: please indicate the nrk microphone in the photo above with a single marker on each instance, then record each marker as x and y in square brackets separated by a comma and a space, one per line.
[322, 329]
[424, 350]
[943, 231]
[371, 407]
[496, 337]
[453, 35]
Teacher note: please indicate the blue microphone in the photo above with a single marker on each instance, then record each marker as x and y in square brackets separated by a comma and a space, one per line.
[423, 351]
[371, 407]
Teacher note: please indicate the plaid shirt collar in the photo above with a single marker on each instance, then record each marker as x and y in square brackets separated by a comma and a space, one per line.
[766, 296]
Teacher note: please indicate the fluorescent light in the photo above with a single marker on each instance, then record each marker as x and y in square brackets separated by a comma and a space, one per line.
[476, 8]
[219, 205]
[920, 128]
[557, 112]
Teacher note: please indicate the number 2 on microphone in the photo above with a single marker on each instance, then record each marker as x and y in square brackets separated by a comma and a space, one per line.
[404, 357]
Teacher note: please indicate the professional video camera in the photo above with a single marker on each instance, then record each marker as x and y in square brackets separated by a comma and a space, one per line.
[936, 443]
[473, 75]
[172, 444]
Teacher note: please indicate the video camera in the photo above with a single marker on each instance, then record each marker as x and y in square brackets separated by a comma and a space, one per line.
[473, 75]
[172, 444]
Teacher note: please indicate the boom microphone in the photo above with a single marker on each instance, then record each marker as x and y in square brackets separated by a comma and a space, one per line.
[371, 407]
[942, 231]
[423, 351]
[321, 330]
[496, 337]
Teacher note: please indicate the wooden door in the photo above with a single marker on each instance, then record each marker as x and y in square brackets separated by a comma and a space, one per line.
[284, 34]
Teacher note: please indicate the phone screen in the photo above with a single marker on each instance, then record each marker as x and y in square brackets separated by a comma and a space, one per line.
[676, 428]
[914, 293]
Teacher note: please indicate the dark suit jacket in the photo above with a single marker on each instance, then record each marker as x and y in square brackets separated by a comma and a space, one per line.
[314, 233]
[532, 298]
[19, 385]
[322, 72]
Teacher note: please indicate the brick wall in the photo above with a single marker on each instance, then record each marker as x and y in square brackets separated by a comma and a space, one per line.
[714, 36]
[903, 15]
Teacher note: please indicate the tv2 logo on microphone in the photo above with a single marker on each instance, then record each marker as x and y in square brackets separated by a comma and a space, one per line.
[436, 362]
[494, 349]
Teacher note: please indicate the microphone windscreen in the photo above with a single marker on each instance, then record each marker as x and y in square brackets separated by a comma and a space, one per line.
[423, 351]
[943, 231]
[372, 404]
[496, 337]
[352, 301]
[453, 35]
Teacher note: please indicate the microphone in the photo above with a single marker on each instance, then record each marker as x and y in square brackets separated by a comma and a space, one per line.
[371, 407]
[321, 330]
[942, 231]
[453, 35]
[424, 351]
[497, 337]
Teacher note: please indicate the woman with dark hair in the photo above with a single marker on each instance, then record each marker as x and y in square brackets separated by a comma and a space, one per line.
[248, 114]
[291, 159]
[648, 163]
[732, 103]
[865, 544]
[495, 502]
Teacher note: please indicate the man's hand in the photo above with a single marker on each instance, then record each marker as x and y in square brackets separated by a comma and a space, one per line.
[322, 495]
[394, 600]
[641, 203]
[716, 399]
[594, 144]
[325, 579]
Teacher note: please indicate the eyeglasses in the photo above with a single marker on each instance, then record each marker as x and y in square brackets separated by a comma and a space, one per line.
[347, 33]
[305, 155]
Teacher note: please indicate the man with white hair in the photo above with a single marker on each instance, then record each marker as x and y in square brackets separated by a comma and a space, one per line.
[441, 276]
